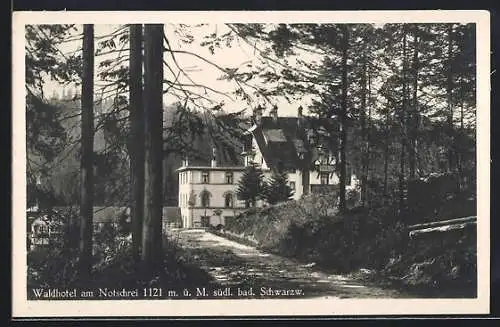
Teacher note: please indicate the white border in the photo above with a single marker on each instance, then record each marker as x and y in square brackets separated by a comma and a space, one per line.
[289, 307]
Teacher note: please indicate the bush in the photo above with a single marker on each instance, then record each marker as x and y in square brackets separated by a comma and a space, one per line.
[51, 267]
[438, 261]
[312, 229]
[374, 238]
[441, 196]
[55, 266]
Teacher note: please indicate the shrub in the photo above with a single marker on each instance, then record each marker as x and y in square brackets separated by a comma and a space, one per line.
[375, 237]
[113, 267]
[437, 260]
[52, 267]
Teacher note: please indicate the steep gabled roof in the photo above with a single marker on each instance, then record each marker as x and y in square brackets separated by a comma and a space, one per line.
[108, 214]
[282, 139]
[171, 214]
[227, 155]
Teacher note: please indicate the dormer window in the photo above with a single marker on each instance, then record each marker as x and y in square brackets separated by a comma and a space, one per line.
[247, 143]
[251, 156]
[325, 178]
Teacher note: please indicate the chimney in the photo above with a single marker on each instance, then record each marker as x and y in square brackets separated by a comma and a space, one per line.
[257, 114]
[185, 161]
[300, 116]
[310, 136]
[214, 157]
[274, 112]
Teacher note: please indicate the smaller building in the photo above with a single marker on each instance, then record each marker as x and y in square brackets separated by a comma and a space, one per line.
[42, 230]
[171, 218]
[110, 217]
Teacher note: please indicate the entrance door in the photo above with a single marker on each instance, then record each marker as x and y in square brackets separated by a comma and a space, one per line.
[205, 221]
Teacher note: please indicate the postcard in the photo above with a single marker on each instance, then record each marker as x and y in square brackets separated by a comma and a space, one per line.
[246, 163]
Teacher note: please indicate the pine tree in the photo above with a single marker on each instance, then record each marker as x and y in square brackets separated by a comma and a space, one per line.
[343, 120]
[87, 182]
[251, 185]
[153, 103]
[46, 137]
[277, 189]
[137, 142]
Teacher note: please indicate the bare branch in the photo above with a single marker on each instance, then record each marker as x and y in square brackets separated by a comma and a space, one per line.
[204, 87]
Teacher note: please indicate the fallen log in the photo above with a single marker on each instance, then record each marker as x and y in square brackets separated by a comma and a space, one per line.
[441, 229]
[470, 219]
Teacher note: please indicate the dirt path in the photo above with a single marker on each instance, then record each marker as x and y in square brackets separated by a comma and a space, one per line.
[242, 267]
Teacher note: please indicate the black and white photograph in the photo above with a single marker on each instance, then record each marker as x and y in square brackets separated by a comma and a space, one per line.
[251, 165]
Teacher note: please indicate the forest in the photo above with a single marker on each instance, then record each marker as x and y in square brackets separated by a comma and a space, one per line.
[399, 101]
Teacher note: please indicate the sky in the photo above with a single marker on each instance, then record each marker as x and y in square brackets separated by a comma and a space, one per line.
[238, 55]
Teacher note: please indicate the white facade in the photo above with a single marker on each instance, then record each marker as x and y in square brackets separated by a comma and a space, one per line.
[207, 195]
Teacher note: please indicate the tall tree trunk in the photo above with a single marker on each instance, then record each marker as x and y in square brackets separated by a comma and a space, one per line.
[369, 127]
[137, 142]
[386, 153]
[413, 117]
[364, 154]
[343, 122]
[403, 113]
[449, 91]
[153, 101]
[87, 180]
[460, 147]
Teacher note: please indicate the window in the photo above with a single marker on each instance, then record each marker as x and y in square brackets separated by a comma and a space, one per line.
[205, 199]
[228, 200]
[192, 200]
[229, 177]
[292, 186]
[324, 178]
[205, 177]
